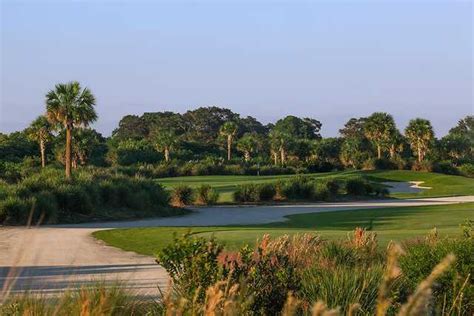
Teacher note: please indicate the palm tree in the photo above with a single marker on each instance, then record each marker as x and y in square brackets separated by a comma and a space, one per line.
[279, 142]
[247, 144]
[420, 136]
[40, 130]
[164, 140]
[69, 106]
[379, 128]
[229, 129]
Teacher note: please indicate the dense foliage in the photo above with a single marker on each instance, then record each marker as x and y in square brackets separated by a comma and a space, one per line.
[48, 197]
[214, 140]
[353, 275]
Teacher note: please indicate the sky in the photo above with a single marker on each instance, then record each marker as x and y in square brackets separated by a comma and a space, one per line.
[328, 60]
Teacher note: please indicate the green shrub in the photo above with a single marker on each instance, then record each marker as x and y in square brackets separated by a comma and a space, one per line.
[425, 165]
[182, 195]
[192, 264]
[73, 199]
[89, 193]
[357, 186]
[15, 210]
[321, 192]
[246, 193]
[422, 256]
[333, 186]
[266, 191]
[341, 286]
[384, 164]
[206, 195]
[467, 170]
[46, 207]
[445, 167]
[300, 187]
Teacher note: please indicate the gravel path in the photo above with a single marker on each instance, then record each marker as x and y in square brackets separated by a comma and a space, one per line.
[54, 258]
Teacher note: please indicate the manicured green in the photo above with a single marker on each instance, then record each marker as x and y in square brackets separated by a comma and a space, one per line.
[442, 185]
[390, 224]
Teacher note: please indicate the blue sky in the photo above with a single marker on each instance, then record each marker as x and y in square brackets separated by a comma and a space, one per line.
[330, 60]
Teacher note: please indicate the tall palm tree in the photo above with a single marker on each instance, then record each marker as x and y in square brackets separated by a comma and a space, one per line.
[420, 136]
[229, 129]
[164, 140]
[40, 130]
[69, 106]
[247, 144]
[379, 128]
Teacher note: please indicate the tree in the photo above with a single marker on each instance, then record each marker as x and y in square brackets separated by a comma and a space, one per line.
[247, 144]
[379, 128]
[353, 152]
[130, 127]
[87, 146]
[228, 130]
[69, 106]
[420, 136]
[460, 139]
[40, 131]
[203, 124]
[298, 128]
[354, 128]
[279, 143]
[164, 140]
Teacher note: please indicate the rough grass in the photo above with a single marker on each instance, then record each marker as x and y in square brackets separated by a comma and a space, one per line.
[442, 185]
[390, 224]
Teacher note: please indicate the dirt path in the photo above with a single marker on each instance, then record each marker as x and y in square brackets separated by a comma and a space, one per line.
[51, 259]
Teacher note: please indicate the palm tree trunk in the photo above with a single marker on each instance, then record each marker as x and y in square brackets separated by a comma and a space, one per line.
[247, 155]
[392, 151]
[283, 155]
[167, 154]
[379, 151]
[420, 154]
[68, 152]
[229, 146]
[43, 157]
[275, 157]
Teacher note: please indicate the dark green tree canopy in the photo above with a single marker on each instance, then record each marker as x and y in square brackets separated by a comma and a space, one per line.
[296, 127]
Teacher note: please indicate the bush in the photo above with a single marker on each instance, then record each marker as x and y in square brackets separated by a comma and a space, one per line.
[333, 186]
[425, 165]
[246, 193]
[357, 186]
[90, 193]
[341, 286]
[206, 195]
[15, 210]
[46, 208]
[384, 164]
[192, 264]
[321, 191]
[467, 170]
[266, 191]
[182, 195]
[299, 187]
[422, 256]
[445, 167]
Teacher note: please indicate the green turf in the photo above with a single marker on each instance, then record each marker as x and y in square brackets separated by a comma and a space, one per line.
[442, 185]
[390, 224]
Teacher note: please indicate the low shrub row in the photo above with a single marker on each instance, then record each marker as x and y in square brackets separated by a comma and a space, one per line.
[308, 188]
[183, 195]
[49, 197]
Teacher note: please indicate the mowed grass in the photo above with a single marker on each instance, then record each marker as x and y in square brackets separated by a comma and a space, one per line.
[442, 185]
[398, 223]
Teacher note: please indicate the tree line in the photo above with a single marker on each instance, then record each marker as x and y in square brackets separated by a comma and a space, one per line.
[220, 135]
